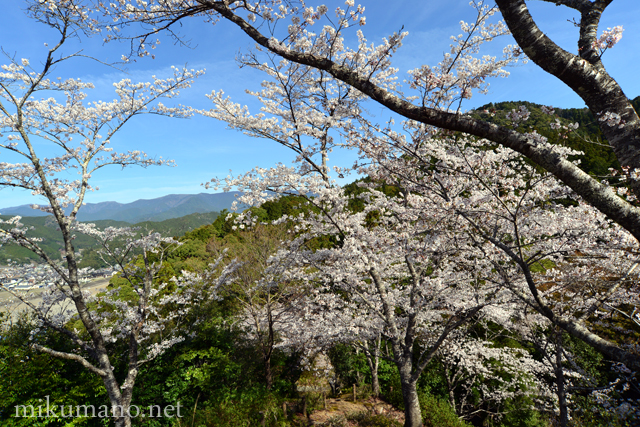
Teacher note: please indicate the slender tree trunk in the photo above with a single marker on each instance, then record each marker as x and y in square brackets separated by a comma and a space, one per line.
[373, 360]
[562, 395]
[268, 350]
[267, 372]
[451, 388]
[116, 398]
[375, 382]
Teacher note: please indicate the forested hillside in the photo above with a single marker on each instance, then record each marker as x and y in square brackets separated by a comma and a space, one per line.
[588, 138]
[482, 270]
[228, 374]
[141, 210]
[45, 228]
[235, 366]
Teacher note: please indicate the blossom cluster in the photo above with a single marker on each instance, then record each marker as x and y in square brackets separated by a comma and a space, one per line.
[609, 38]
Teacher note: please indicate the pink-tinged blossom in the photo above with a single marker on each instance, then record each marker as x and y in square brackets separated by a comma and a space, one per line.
[612, 119]
[609, 38]
[520, 115]
[548, 110]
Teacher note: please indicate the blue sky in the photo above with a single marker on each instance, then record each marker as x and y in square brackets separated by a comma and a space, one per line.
[203, 148]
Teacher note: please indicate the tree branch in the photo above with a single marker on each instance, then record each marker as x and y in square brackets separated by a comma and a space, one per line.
[590, 189]
[599, 91]
[70, 356]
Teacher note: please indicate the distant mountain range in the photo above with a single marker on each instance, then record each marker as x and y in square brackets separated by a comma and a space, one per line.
[160, 209]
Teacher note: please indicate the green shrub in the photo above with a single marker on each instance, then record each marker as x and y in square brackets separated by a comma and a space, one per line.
[438, 413]
[365, 419]
[246, 410]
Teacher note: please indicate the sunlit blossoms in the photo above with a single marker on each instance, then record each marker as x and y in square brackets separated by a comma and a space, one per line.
[39, 111]
[453, 235]
[609, 38]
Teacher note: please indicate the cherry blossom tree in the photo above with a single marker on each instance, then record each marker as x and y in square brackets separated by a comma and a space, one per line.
[464, 72]
[387, 279]
[541, 249]
[465, 214]
[482, 377]
[434, 94]
[301, 106]
[393, 276]
[578, 279]
[37, 112]
[594, 297]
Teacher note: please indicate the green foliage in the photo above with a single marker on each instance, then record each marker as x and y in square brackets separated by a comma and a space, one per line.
[191, 255]
[587, 412]
[432, 380]
[590, 360]
[518, 413]
[591, 413]
[353, 190]
[437, 412]
[28, 377]
[91, 258]
[44, 228]
[248, 409]
[350, 367]
[219, 376]
[173, 227]
[289, 205]
[365, 419]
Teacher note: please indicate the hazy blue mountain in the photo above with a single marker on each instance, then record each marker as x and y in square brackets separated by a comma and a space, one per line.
[160, 209]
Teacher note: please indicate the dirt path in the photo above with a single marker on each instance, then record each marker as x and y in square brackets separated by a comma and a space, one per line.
[340, 409]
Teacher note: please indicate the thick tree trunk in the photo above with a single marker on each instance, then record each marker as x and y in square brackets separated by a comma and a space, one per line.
[412, 415]
[120, 412]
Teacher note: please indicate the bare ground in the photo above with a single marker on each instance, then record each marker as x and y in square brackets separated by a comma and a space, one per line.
[10, 304]
[339, 410]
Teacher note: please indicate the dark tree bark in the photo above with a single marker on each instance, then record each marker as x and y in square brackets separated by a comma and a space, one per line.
[412, 413]
[267, 351]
